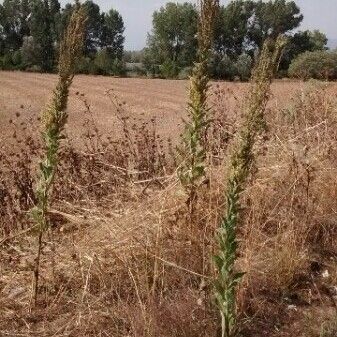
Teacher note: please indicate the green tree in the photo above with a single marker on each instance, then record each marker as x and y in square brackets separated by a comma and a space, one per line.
[112, 34]
[301, 42]
[13, 23]
[244, 67]
[94, 28]
[273, 18]
[232, 28]
[173, 37]
[318, 40]
[41, 27]
[31, 53]
[2, 33]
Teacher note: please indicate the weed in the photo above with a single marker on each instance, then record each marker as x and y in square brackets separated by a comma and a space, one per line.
[193, 169]
[54, 120]
[242, 160]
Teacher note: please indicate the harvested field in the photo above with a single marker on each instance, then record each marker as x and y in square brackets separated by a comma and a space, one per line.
[28, 93]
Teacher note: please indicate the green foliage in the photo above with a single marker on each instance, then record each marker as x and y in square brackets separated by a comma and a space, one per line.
[232, 27]
[35, 27]
[104, 32]
[319, 65]
[31, 52]
[244, 66]
[185, 73]
[102, 62]
[112, 36]
[228, 278]
[173, 38]
[222, 67]
[13, 23]
[273, 18]
[240, 29]
[41, 29]
[301, 42]
[135, 56]
[169, 69]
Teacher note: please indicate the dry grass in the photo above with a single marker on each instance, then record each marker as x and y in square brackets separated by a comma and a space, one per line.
[123, 260]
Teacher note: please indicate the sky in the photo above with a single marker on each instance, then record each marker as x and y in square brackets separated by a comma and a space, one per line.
[137, 15]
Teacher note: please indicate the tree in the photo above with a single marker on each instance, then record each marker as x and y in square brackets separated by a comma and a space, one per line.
[301, 42]
[173, 37]
[13, 22]
[318, 40]
[31, 52]
[94, 28]
[41, 27]
[273, 18]
[2, 33]
[232, 28]
[112, 34]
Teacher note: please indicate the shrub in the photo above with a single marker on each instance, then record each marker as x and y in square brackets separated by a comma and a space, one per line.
[185, 73]
[118, 68]
[102, 63]
[7, 62]
[222, 67]
[169, 69]
[318, 65]
[84, 65]
[244, 67]
[31, 52]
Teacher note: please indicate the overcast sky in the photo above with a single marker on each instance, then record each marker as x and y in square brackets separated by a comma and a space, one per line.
[137, 14]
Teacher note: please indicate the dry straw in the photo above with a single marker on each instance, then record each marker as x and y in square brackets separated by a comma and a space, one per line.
[54, 119]
[228, 278]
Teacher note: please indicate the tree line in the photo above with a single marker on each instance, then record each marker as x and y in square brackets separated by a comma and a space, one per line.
[30, 31]
[240, 30]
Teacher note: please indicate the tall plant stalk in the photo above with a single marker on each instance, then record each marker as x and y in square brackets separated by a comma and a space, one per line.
[54, 119]
[228, 278]
[193, 169]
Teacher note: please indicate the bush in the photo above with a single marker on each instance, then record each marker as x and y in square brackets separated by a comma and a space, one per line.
[118, 68]
[222, 67]
[318, 65]
[103, 63]
[31, 52]
[169, 69]
[6, 62]
[84, 65]
[244, 66]
[185, 73]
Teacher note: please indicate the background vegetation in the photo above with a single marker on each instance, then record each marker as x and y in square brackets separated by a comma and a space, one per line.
[30, 33]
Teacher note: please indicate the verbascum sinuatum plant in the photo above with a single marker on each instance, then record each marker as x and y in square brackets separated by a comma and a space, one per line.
[54, 119]
[192, 151]
[227, 277]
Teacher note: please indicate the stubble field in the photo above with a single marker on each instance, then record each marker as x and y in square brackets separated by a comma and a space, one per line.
[164, 100]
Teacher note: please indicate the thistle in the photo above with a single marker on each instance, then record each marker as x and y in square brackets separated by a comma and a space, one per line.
[54, 119]
[228, 278]
[192, 171]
